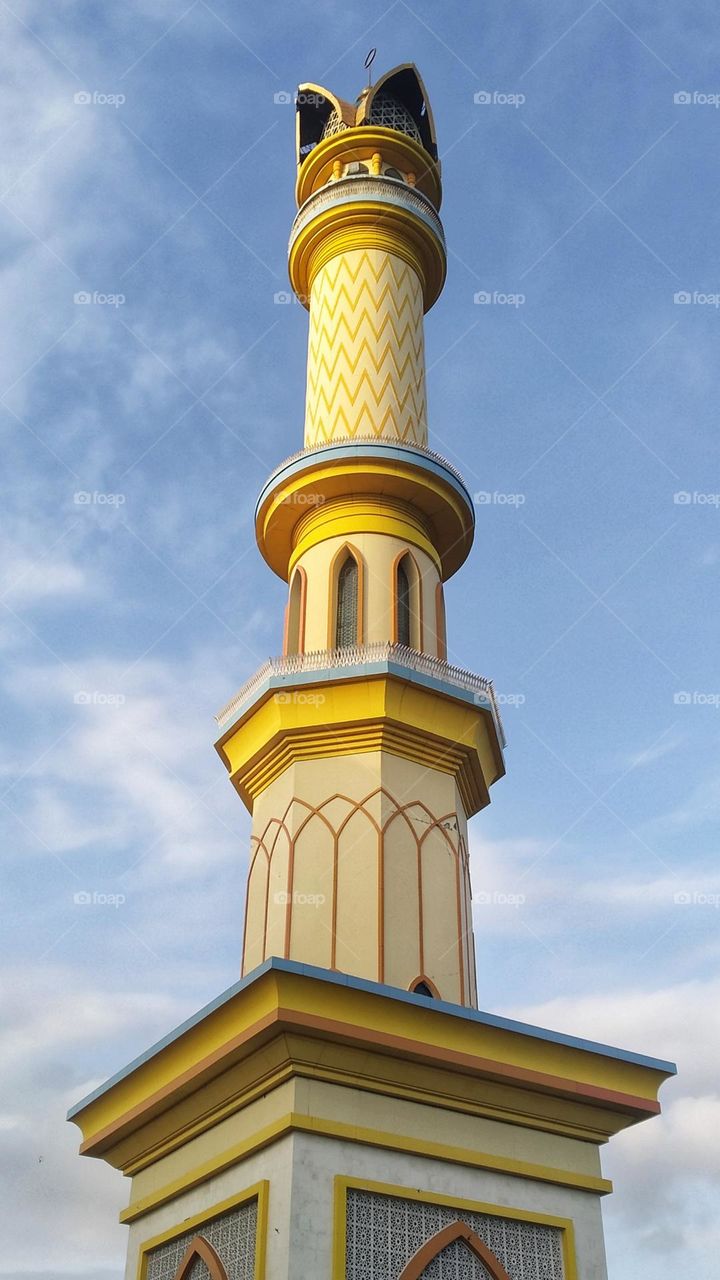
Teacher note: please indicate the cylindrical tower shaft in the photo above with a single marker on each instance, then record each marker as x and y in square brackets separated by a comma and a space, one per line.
[366, 359]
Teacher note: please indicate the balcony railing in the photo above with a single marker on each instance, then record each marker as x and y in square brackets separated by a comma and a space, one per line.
[343, 442]
[329, 660]
[385, 190]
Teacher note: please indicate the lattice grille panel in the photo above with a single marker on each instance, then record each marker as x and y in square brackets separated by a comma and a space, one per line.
[391, 114]
[199, 1270]
[232, 1236]
[456, 1262]
[384, 1232]
[333, 124]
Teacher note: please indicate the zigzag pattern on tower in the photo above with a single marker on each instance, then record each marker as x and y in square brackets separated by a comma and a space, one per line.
[366, 366]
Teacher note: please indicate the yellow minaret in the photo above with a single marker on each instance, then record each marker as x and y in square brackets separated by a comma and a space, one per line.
[325, 1117]
[360, 752]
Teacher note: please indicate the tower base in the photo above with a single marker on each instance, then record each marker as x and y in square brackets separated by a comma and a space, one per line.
[309, 1125]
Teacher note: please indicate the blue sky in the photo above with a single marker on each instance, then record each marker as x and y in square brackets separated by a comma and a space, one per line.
[590, 597]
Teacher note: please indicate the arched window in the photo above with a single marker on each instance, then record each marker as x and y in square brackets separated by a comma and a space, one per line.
[440, 622]
[403, 605]
[294, 638]
[407, 627]
[424, 986]
[346, 625]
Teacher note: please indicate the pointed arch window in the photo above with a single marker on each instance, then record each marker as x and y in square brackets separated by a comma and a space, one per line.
[440, 626]
[424, 986]
[346, 621]
[295, 634]
[403, 605]
[407, 626]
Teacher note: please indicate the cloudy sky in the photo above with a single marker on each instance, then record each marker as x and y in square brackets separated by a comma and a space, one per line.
[147, 162]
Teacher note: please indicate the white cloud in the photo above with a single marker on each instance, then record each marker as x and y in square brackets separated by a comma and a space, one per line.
[31, 581]
[145, 755]
[665, 1168]
[51, 1020]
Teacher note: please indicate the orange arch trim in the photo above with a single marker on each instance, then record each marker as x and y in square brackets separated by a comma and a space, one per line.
[423, 978]
[200, 1248]
[436, 1244]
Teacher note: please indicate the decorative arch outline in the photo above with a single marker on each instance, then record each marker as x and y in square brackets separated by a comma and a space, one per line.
[423, 980]
[446, 825]
[199, 1247]
[435, 1245]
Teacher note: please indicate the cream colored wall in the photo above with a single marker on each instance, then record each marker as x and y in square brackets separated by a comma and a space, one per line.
[317, 1160]
[379, 552]
[274, 1164]
[388, 906]
[366, 358]
[301, 1169]
[334, 1102]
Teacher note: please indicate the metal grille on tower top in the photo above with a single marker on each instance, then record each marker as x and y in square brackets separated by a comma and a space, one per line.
[334, 124]
[386, 111]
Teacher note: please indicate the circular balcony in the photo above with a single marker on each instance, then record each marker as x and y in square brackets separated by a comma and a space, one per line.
[381, 470]
[370, 212]
[384, 190]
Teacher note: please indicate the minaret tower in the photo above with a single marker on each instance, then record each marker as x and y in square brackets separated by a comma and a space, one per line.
[360, 752]
[345, 1111]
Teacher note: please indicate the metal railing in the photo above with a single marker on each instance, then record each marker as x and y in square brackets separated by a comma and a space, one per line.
[345, 441]
[328, 660]
[386, 190]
